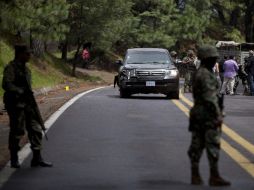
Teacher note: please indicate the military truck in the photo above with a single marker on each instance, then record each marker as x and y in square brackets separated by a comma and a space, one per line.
[239, 50]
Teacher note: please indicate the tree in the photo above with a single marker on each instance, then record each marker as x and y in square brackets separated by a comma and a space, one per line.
[154, 23]
[192, 23]
[249, 20]
[40, 20]
[100, 22]
[165, 23]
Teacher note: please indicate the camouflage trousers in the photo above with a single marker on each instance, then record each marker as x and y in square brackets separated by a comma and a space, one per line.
[21, 119]
[188, 80]
[244, 83]
[209, 140]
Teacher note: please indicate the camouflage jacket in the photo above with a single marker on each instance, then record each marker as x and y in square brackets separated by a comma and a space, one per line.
[190, 63]
[16, 80]
[205, 112]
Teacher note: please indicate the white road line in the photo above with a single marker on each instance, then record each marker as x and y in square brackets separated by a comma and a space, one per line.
[7, 171]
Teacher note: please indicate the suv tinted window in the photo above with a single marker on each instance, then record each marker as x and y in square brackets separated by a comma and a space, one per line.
[147, 57]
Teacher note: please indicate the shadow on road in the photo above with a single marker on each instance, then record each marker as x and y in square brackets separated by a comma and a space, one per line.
[160, 184]
[141, 97]
[240, 113]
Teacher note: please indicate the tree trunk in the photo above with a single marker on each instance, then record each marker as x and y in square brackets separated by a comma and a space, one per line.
[64, 49]
[45, 46]
[249, 21]
[235, 14]
[76, 59]
[74, 68]
[37, 46]
[219, 8]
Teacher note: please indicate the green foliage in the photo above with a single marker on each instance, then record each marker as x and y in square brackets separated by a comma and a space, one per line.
[6, 55]
[45, 73]
[158, 23]
[120, 24]
[44, 19]
[235, 35]
[193, 22]
[156, 20]
[228, 19]
[98, 21]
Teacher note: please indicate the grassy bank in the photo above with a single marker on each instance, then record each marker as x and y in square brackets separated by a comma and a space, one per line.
[46, 72]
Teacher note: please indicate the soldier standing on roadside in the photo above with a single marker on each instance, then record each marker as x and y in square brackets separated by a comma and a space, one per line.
[206, 119]
[173, 55]
[22, 114]
[244, 77]
[250, 71]
[176, 61]
[221, 67]
[190, 67]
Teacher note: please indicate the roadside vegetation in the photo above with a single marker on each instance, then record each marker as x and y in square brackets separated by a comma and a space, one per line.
[47, 72]
[56, 30]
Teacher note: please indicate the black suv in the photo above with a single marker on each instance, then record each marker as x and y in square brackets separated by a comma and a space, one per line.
[148, 70]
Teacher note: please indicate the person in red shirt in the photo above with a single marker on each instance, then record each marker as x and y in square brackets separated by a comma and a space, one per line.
[85, 54]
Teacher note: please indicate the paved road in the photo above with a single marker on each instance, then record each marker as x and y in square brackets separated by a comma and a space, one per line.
[103, 142]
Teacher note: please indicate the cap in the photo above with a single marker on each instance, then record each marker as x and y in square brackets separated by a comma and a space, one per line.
[20, 48]
[190, 52]
[87, 45]
[206, 51]
[173, 53]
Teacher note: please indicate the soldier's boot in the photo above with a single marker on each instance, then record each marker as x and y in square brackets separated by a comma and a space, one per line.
[14, 159]
[246, 90]
[185, 89]
[195, 176]
[38, 160]
[216, 179]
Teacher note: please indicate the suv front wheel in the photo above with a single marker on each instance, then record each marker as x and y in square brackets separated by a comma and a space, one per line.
[173, 95]
[124, 93]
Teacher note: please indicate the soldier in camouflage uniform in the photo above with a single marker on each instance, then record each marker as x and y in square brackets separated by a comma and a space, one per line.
[173, 55]
[206, 119]
[241, 75]
[190, 67]
[17, 85]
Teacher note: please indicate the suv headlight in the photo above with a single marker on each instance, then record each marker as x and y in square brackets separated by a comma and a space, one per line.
[129, 73]
[170, 74]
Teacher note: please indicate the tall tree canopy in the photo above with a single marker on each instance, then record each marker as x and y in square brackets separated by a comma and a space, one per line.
[119, 24]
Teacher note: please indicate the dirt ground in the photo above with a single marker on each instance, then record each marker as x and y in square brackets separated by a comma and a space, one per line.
[49, 101]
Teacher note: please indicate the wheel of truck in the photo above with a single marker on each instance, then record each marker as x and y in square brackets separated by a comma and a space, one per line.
[124, 93]
[173, 95]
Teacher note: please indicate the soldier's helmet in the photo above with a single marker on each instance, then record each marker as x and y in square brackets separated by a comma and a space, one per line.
[173, 53]
[22, 48]
[207, 51]
[190, 52]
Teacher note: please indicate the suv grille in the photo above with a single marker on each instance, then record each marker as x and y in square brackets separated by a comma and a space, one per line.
[147, 73]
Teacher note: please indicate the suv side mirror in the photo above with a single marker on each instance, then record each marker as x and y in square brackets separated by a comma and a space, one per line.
[119, 62]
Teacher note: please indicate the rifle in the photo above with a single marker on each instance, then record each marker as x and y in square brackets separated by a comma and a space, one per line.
[37, 113]
[221, 102]
[33, 103]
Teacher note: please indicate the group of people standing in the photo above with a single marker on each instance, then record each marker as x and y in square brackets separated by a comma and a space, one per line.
[187, 67]
[208, 80]
[232, 71]
[229, 72]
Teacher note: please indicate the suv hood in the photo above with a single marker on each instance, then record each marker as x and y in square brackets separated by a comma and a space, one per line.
[149, 66]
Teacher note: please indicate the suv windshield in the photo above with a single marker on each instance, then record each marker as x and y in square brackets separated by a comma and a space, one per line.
[147, 57]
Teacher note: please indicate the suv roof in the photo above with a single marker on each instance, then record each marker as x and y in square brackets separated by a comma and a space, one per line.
[147, 49]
